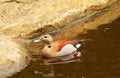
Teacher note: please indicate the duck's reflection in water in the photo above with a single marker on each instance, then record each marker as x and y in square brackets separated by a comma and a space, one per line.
[51, 62]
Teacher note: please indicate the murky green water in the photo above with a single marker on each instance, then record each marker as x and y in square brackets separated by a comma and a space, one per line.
[100, 58]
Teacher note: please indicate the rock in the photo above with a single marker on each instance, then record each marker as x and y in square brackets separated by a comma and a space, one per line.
[13, 56]
[30, 18]
[90, 22]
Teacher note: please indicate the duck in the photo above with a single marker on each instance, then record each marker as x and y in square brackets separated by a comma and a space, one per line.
[57, 48]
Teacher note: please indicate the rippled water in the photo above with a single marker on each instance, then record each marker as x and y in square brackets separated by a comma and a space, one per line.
[100, 58]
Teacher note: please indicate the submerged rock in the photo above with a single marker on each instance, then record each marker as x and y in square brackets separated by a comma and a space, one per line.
[13, 56]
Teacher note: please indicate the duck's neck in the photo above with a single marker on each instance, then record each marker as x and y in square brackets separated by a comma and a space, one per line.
[48, 43]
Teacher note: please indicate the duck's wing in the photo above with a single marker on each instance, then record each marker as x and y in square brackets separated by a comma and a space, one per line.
[67, 49]
[62, 44]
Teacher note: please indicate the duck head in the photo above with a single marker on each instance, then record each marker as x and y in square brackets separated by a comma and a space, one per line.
[46, 38]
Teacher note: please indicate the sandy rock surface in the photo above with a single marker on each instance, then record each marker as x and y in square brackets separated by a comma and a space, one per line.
[13, 56]
[22, 18]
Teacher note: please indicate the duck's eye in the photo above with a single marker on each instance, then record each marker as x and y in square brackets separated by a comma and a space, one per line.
[45, 37]
[49, 46]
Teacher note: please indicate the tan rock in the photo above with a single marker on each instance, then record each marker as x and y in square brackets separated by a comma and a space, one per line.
[90, 22]
[26, 18]
[13, 56]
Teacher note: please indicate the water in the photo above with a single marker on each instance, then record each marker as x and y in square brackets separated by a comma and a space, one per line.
[100, 58]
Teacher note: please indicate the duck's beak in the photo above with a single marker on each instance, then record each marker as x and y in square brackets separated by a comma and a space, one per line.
[37, 40]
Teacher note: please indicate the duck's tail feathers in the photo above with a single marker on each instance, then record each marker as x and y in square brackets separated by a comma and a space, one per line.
[77, 45]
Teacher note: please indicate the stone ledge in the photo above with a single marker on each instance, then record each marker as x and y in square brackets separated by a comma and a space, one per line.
[28, 20]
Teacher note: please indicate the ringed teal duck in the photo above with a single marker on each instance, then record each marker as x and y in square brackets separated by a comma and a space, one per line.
[57, 48]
